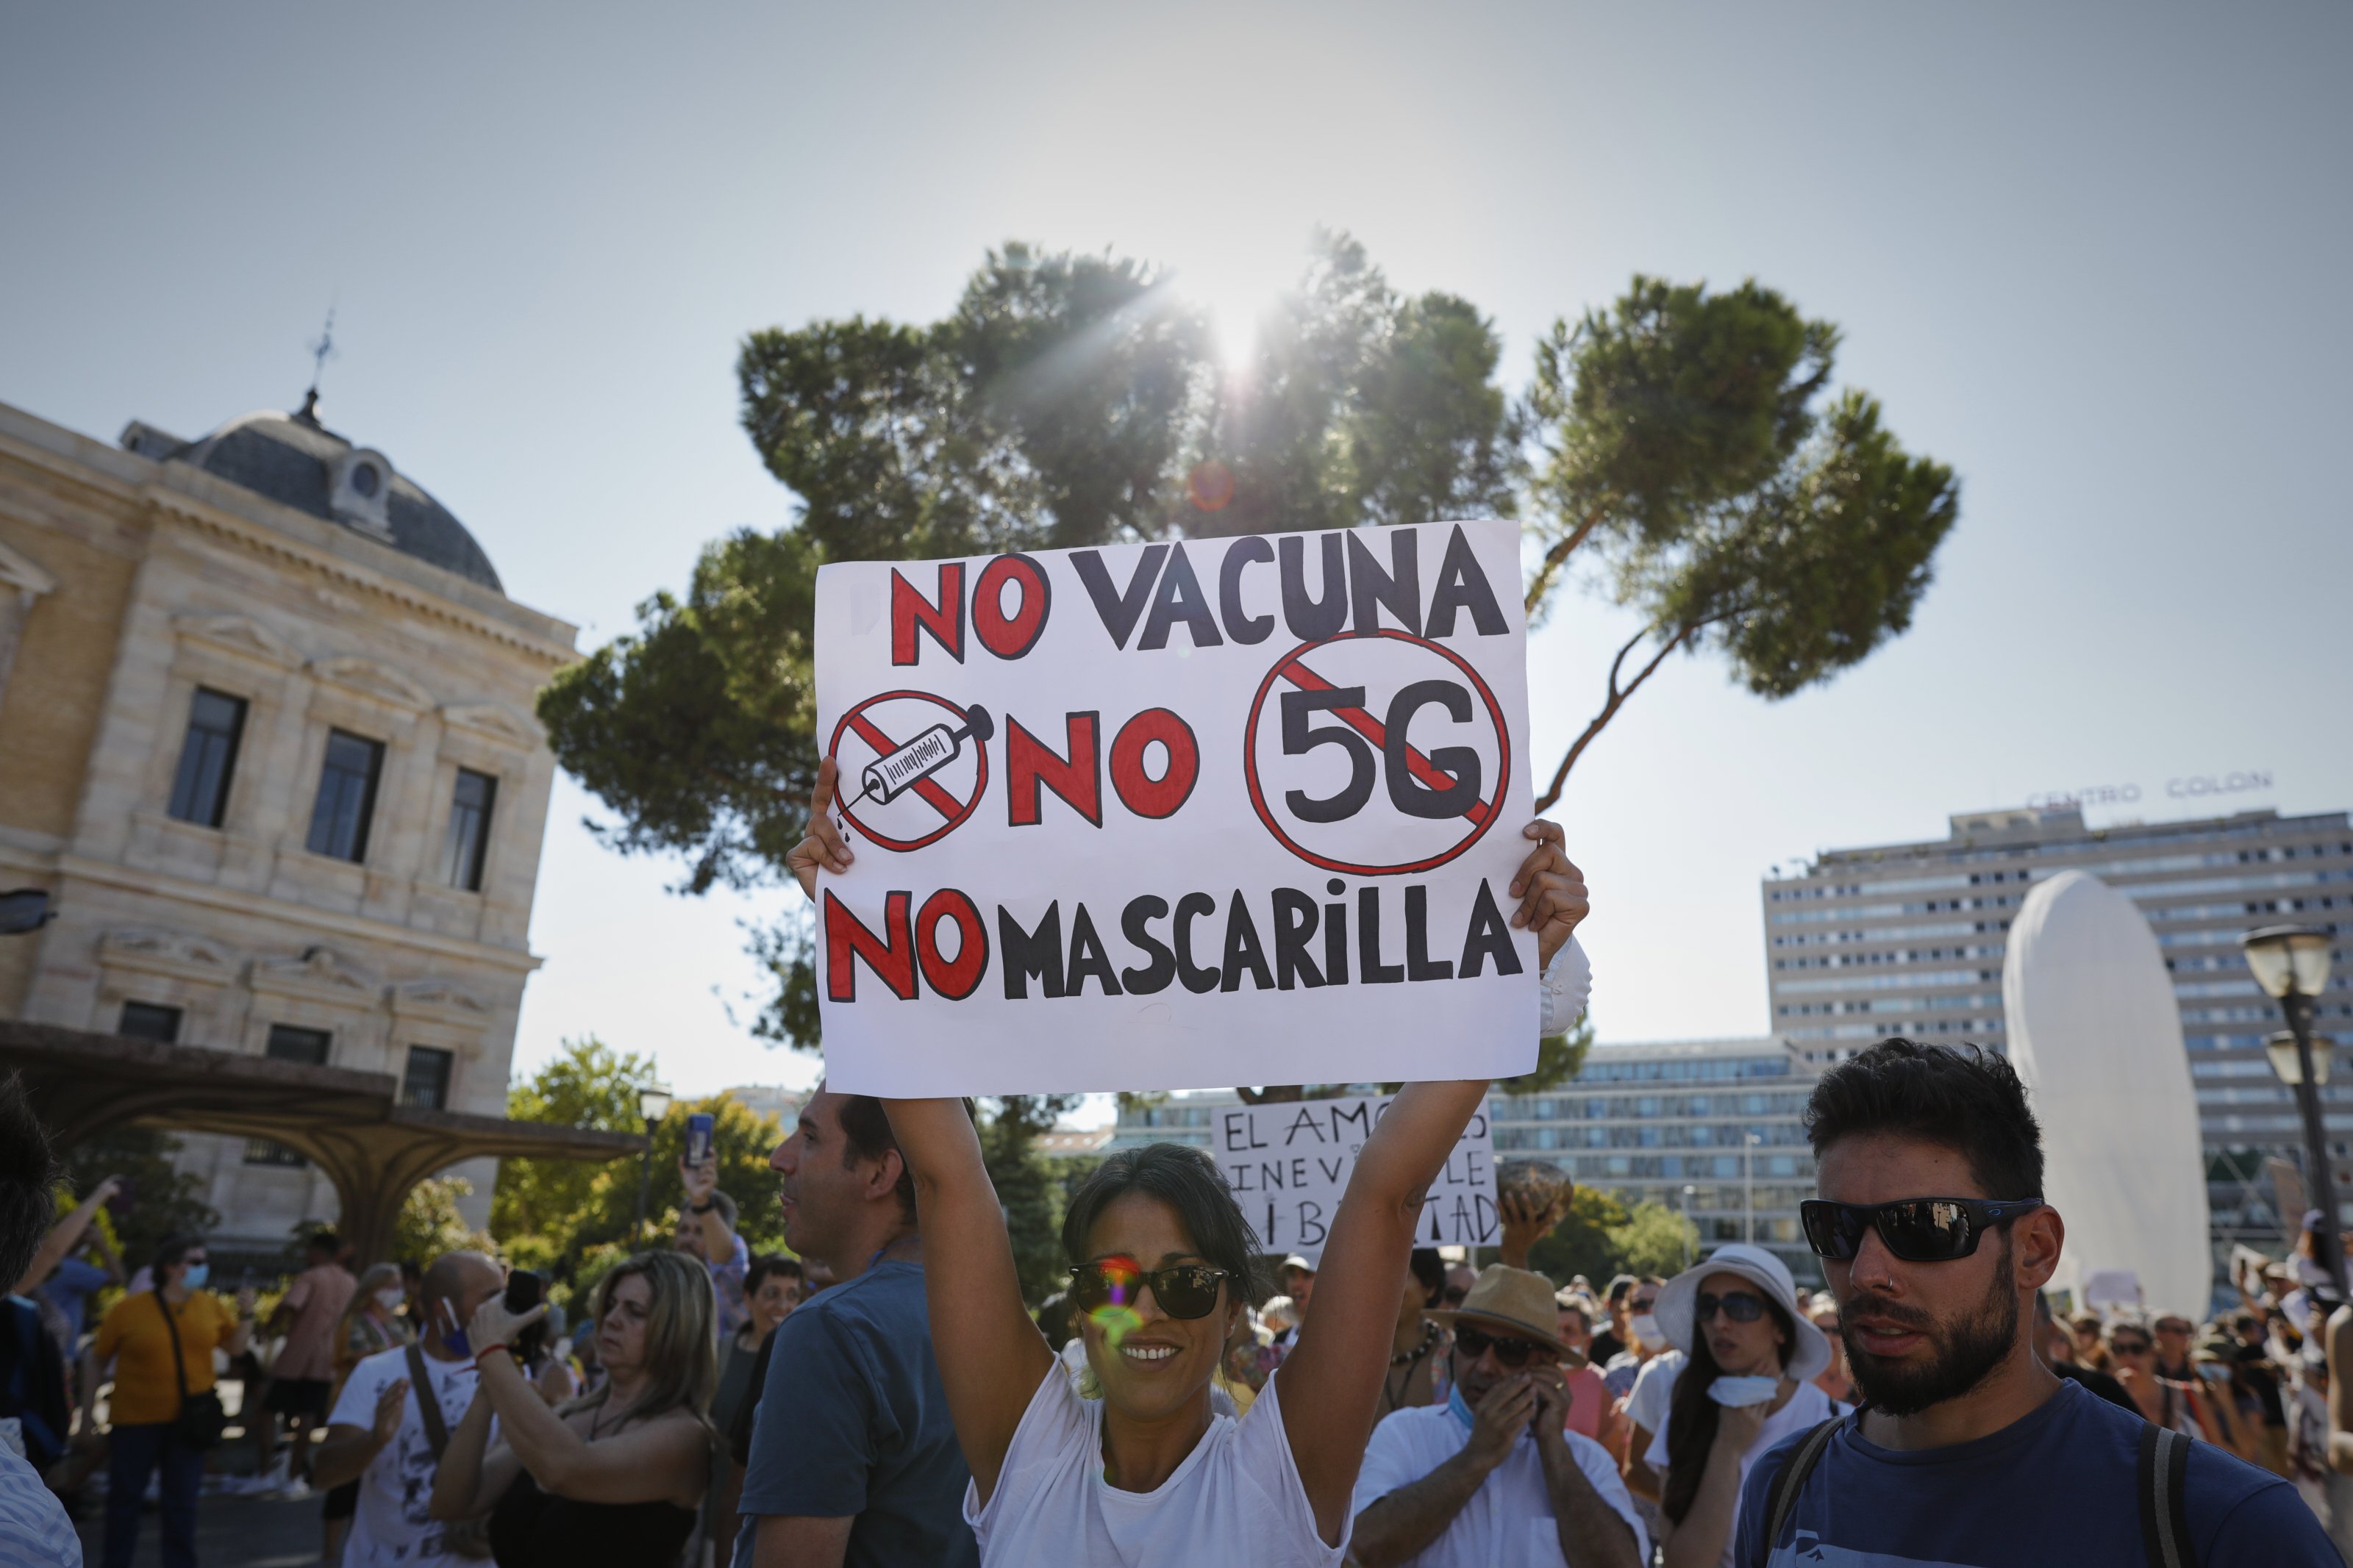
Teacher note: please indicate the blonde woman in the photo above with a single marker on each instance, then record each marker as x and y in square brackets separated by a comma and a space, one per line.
[615, 1478]
[371, 1324]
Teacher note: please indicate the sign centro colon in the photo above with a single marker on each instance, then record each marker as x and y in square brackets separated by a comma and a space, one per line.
[2188, 788]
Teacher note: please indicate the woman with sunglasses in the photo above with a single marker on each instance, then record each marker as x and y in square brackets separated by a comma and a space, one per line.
[1747, 1384]
[1163, 1265]
[2178, 1406]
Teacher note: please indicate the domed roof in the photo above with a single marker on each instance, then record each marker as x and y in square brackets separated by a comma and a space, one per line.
[295, 460]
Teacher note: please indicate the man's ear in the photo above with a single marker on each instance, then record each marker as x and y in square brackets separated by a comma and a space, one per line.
[2037, 1238]
[884, 1180]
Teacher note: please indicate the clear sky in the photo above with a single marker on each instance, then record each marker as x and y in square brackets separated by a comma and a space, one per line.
[2093, 257]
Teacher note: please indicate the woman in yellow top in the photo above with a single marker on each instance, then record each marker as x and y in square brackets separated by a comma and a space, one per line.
[146, 1400]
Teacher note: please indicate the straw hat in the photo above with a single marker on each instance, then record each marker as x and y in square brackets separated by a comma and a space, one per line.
[1516, 1302]
[1810, 1351]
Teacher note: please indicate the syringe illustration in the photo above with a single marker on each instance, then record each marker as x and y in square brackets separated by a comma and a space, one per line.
[920, 758]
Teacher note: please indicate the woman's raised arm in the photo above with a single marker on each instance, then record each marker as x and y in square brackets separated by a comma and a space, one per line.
[1331, 1383]
[991, 1356]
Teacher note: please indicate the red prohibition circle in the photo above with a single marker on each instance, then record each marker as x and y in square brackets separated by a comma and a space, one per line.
[1258, 796]
[979, 783]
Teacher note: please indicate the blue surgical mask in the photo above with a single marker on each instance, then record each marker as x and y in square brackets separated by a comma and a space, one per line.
[197, 1274]
[1461, 1410]
[452, 1336]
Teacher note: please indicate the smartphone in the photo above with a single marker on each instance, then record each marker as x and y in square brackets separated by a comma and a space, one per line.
[698, 1138]
[525, 1291]
[125, 1198]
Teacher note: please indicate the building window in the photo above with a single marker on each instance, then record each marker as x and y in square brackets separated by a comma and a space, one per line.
[469, 842]
[288, 1044]
[208, 757]
[426, 1081]
[150, 1021]
[339, 822]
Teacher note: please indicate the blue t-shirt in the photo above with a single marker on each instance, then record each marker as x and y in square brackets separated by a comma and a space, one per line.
[2059, 1486]
[853, 1420]
[70, 1287]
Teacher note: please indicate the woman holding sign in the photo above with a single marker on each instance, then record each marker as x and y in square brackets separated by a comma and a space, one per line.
[1164, 1263]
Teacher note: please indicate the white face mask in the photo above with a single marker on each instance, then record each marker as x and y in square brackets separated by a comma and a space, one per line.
[390, 1300]
[1646, 1328]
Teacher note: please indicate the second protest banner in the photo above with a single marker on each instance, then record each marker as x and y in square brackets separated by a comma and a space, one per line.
[1172, 816]
[1288, 1164]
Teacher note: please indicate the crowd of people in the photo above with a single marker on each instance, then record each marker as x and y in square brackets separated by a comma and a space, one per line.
[884, 1397]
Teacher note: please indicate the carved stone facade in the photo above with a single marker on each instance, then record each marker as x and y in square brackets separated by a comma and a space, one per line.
[355, 641]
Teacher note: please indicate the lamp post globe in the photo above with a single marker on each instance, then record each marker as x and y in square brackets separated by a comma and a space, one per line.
[653, 1104]
[2291, 965]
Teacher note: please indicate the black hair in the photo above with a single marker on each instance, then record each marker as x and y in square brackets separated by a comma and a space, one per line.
[1692, 1416]
[1430, 1269]
[27, 1174]
[171, 1250]
[1620, 1287]
[867, 1136]
[767, 1263]
[1187, 1181]
[325, 1241]
[1967, 1099]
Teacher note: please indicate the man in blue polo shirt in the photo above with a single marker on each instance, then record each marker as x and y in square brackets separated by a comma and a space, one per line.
[853, 1462]
[1931, 1227]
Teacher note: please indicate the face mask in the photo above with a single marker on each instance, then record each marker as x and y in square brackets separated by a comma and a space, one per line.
[194, 1280]
[1646, 1328]
[1460, 1409]
[390, 1300]
[452, 1336]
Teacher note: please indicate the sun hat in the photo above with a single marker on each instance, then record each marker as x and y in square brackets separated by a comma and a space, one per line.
[1516, 1300]
[1810, 1351]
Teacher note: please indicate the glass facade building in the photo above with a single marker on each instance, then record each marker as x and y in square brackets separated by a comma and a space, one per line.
[1909, 939]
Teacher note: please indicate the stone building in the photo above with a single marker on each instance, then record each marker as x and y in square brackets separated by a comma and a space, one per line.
[267, 741]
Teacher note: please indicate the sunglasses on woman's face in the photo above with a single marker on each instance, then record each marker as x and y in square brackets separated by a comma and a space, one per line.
[1510, 1351]
[2130, 1347]
[1917, 1230]
[1740, 1306]
[1183, 1290]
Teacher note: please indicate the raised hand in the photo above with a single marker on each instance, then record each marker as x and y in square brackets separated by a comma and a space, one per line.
[824, 846]
[1500, 1419]
[1550, 888]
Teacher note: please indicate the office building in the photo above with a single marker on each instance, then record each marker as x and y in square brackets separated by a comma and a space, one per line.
[1908, 939]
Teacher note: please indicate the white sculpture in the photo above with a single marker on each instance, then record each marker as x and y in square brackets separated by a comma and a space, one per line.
[2095, 1033]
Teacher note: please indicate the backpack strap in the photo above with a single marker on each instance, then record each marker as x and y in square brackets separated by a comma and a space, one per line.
[428, 1404]
[2163, 1483]
[1781, 1497]
[179, 1356]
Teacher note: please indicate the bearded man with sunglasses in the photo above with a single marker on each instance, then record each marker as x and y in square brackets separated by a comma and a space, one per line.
[1492, 1476]
[1968, 1453]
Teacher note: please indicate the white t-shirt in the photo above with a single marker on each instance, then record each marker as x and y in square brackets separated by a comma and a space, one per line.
[1654, 1386]
[1509, 1521]
[1808, 1407]
[1236, 1500]
[394, 1524]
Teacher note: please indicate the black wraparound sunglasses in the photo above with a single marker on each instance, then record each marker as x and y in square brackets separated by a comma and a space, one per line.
[1510, 1351]
[1183, 1290]
[1917, 1230]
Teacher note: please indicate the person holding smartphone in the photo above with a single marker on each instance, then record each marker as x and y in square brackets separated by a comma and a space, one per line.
[615, 1479]
[706, 1227]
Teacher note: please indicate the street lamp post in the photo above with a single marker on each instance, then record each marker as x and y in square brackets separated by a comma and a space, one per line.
[653, 1104]
[1691, 1227]
[2291, 964]
[1748, 1186]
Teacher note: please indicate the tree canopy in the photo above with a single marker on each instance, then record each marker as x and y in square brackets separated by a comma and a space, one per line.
[1688, 443]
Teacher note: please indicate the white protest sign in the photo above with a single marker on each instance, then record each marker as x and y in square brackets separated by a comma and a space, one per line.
[1176, 816]
[1288, 1165]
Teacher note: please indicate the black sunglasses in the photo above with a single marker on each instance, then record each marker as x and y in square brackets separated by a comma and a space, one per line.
[2131, 1347]
[1510, 1351]
[1917, 1230]
[1740, 1306]
[1183, 1289]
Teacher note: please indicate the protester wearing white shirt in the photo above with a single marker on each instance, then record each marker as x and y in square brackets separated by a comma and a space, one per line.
[1753, 1354]
[1491, 1479]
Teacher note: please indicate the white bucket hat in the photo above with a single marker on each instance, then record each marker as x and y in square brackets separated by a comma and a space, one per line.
[1810, 1351]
